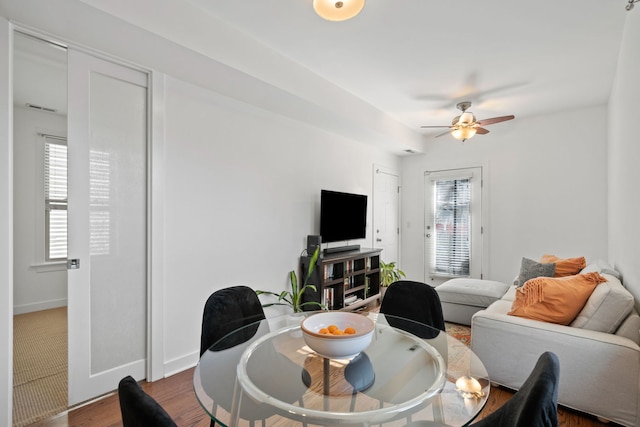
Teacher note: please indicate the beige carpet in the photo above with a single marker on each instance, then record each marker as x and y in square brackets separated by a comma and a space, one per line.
[39, 365]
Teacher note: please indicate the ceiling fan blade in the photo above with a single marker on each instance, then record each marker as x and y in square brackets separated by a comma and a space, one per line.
[481, 131]
[442, 134]
[493, 120]
[435, 126]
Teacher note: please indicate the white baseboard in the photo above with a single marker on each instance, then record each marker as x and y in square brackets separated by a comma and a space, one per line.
[39, 306]
[180, 364]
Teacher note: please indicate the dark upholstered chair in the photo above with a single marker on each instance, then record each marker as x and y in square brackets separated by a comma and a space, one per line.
[535, 404]
[138, 408]
[227, 310]
[415, 301]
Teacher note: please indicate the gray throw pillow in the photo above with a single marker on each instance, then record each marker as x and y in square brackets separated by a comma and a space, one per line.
[530, 269]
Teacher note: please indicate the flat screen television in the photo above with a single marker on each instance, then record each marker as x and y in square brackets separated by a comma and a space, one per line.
[343, 216]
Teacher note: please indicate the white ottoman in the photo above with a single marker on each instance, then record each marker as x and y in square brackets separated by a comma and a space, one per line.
[462, 298]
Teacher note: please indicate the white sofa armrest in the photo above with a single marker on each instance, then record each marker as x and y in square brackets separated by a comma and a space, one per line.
[599, 372]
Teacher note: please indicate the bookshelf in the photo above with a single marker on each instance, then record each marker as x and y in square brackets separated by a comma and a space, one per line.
[345, 280]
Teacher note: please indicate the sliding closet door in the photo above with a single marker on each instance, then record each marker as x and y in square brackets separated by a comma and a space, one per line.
[107, 225]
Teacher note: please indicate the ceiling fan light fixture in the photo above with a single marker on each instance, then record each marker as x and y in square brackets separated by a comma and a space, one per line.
[463, 132]
[335, 10]
[467, 118]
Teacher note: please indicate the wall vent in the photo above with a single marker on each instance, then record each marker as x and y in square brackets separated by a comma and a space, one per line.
[40, 108]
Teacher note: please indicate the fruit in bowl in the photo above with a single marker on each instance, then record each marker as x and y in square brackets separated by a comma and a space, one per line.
[337, 334]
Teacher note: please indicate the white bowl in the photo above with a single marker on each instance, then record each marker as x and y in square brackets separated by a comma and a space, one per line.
[337, 346]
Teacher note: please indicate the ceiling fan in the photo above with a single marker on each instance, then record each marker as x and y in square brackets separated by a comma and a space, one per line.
[465, 125]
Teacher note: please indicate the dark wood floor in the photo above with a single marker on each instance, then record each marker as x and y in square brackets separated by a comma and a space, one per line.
[176, 395]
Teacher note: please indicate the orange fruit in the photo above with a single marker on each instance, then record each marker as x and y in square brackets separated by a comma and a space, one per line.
[337, 332]
[323, 331]
[349, 330]
[332, 328]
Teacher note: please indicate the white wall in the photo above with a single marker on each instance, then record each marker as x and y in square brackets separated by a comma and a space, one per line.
[35, 287]
[544, 191]
[209, 242]
[624, 155]
[242, 185]
[242, 194]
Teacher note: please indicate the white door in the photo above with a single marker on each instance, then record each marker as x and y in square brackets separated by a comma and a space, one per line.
[386, 209]
[107, 225]
[453, 224]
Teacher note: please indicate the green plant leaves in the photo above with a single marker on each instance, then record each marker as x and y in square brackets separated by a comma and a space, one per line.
[293, 298]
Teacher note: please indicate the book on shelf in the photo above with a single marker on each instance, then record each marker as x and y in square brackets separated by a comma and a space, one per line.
[349, 282]
[328, 298]
[350, 299]
[328, 271]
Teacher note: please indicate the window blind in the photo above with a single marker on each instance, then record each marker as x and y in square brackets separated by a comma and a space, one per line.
[55, 194]
[452, 227]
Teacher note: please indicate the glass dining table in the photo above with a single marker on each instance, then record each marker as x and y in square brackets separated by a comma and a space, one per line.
[410, 374]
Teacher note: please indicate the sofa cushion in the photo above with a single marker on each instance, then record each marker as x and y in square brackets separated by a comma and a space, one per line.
[630, 327]
[555, 299]
[510, 295]
[602, 267]
[566, 266]
[609, 304]
[473, 292]
[530, 269]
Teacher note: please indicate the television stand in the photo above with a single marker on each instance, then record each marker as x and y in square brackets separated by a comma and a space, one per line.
[344, 280]
[342, 249]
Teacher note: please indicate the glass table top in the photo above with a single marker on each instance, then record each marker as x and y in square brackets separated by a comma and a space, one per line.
[265, 371]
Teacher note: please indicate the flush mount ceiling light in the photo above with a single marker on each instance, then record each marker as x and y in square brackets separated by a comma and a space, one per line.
[333, 10]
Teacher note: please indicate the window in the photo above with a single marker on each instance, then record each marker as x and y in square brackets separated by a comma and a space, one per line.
[452, 231]
[55, 198]
[453, 228]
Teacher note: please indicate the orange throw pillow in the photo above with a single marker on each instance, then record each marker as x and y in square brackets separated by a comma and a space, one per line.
[567, 266]
[555, 299]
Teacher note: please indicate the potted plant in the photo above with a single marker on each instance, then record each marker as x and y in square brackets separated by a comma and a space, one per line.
[293, 298]
[389, 273]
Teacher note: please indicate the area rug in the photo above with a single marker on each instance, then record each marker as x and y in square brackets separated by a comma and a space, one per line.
[460, 332]
[40, 374]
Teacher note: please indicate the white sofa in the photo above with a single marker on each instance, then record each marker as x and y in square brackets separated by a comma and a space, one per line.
[599, 351]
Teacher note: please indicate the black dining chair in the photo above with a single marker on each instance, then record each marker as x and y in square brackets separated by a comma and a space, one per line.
[417, 302]
[415, 307]
[535, 404]
[228, 310]
[138, 409]
[225, 311]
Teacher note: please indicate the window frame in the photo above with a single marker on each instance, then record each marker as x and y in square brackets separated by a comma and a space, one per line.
[51, 204]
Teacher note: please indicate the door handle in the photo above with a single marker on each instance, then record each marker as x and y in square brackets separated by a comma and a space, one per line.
[378, 240]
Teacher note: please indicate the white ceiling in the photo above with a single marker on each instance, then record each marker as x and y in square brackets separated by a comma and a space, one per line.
[415, 59]
[411, 59]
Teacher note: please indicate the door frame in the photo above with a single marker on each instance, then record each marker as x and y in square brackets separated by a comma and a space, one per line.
[389, 171]
[155, 204]
[6, 219]
[484, 215]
